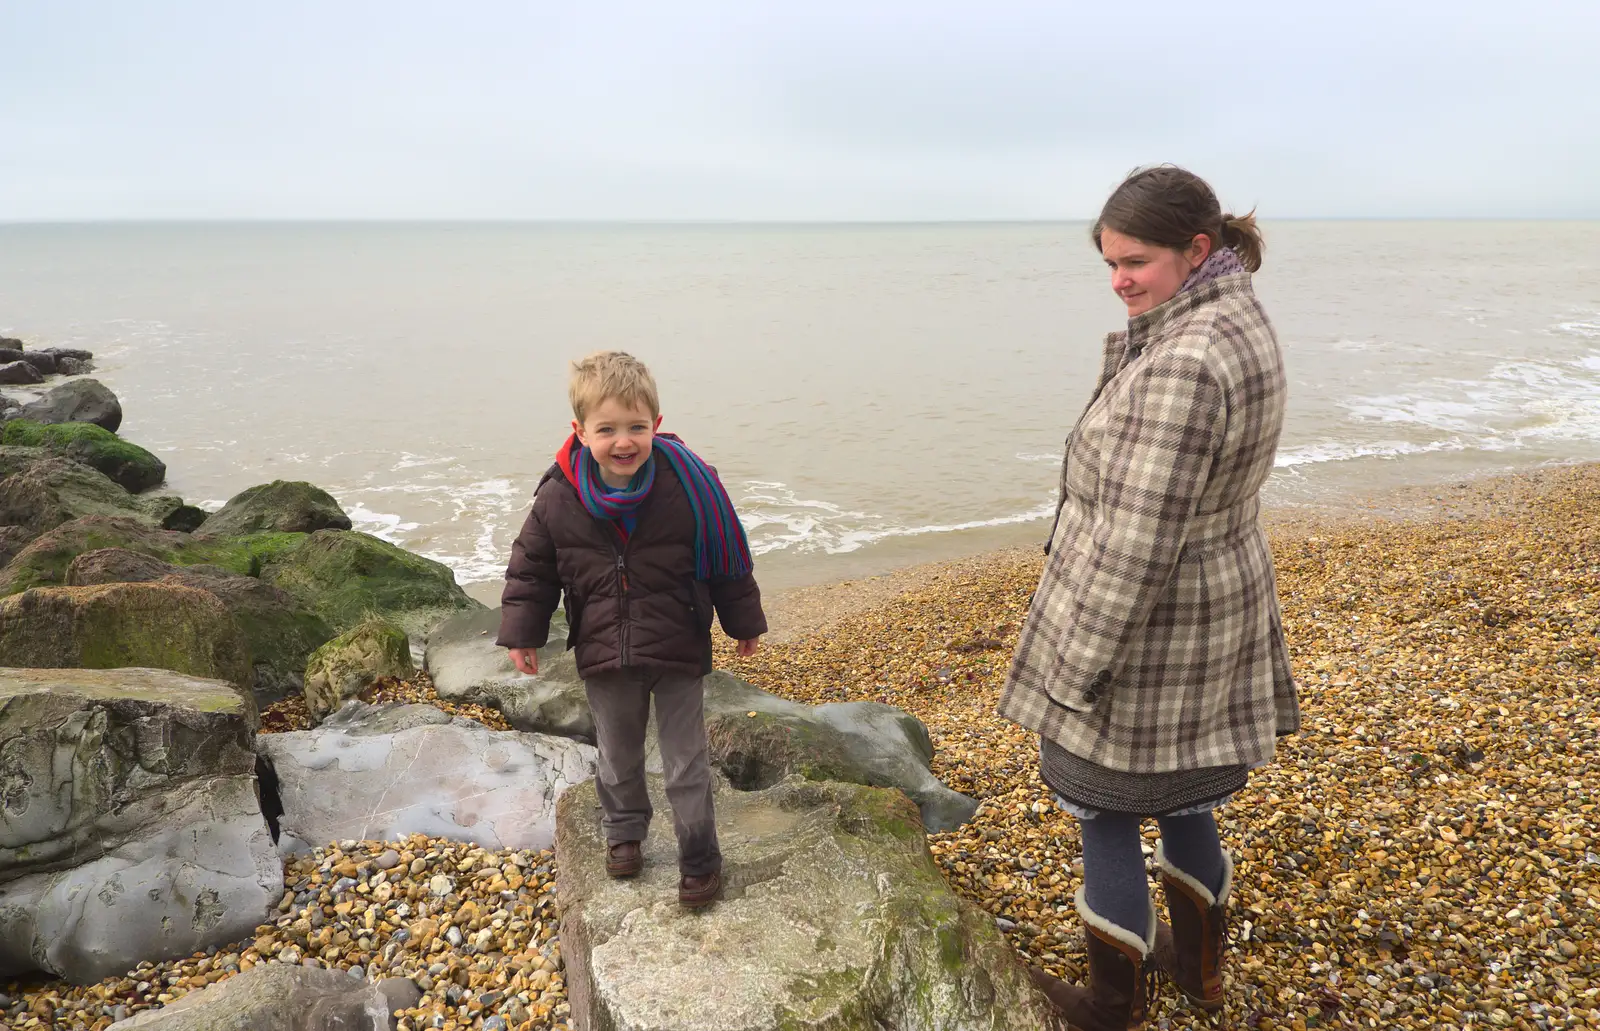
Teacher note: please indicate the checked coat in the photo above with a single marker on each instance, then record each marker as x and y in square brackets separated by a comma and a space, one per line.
[1154, 642]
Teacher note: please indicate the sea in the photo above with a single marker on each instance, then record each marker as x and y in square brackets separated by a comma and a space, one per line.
[873, 395]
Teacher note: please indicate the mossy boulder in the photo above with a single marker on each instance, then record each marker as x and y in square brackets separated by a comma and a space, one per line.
[128, 465]
[155, 625]
[345, 576]
[79, 400]
[284, 506]
[40, 489]
[834, 917]
[351, 662]
[280, 632]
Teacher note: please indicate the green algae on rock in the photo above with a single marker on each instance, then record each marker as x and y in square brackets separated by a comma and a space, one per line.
[345, 666]
[126, 464]
[285, 506]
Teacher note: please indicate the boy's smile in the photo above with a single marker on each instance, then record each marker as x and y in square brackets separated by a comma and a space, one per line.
[620, 437]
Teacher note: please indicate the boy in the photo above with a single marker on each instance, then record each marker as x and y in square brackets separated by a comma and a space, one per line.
[638, 538]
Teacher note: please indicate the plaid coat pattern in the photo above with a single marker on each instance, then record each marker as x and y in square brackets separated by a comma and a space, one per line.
[1154, 642]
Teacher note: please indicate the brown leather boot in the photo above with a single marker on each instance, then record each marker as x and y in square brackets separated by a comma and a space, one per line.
[1116, 997]
[1190, 951]
[624, 859]
[698, 892]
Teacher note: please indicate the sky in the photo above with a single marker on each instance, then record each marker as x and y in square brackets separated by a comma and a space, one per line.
[823, 110]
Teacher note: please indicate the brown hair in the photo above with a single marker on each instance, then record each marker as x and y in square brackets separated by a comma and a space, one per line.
[1169, 206]
[611, 375]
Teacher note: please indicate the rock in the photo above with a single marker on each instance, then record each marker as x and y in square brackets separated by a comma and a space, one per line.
[9, 408]
[834, 915]
[467, 666]
[184, 518]
[164, 626]
[280, 633]
[129, 466]
[44, 361]
[40, 490]
[19, 373]
[12, 540]
[132, 829]
[75, 353]
[855, 742]
[285, 506]
[345, 576]
[73, 366]
[276, 997]
[456, 779]
[79, 400]
[354, 660]
[9, 353]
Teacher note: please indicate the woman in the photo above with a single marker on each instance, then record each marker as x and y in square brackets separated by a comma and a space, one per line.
[1153, 663]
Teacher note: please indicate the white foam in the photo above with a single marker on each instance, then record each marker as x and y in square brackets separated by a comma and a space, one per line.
[1056, 458]
[1589, 328]
[385, 525]
[777, 519]
[1340, 451]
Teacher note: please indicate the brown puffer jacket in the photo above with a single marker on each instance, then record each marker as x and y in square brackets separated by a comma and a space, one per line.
[637, 604]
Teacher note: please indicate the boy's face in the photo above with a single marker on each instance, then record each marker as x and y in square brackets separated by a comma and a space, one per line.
[619, 437]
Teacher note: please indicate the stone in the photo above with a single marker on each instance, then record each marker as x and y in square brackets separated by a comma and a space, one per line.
[40, 490]
[276, 997]
[345, 576]
[75, 353]
[283, 506]
[163, 626]
[129, 466]
[457, 779]
[12, 540]
[855, 742]
[353, 661]
[132, 827]
[44, 361]
[73, 366]
[10, 350]
[19, 373]
[280, 632]
[466, 665]
[184, 518]
[833, 915]
[78, 400]
[9, 407]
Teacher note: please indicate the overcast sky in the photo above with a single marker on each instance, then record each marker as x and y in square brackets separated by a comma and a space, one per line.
[588, 109]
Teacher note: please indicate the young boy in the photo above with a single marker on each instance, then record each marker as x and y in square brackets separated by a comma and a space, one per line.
[637, 537]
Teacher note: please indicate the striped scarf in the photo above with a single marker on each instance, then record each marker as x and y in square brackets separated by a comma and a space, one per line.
[720, 546]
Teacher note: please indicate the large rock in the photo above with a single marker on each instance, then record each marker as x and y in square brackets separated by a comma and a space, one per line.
[75, 353]
[276, 997]
[758, 739]
[388, 771]
[12, 540]
[132, 829]
[127, 465]
[19, 373]
[353, 661]
[44, 361]
[467, 666]
[280, 632]
[40, 490]
[288, 506]
[165, 626]
[345, 576]
[78, 400]
[834, 916]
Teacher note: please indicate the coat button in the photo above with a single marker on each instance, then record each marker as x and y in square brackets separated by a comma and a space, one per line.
[1102, 678]
[1090, 697]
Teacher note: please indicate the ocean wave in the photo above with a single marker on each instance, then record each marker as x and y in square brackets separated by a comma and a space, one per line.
[1589, 328]
[777, 519]
[1341, 451]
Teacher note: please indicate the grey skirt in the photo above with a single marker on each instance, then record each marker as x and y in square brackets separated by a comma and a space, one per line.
[1087, 789]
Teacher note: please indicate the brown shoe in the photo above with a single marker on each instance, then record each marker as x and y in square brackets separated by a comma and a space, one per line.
[1116, 996]
[624, 859]
[1190, 951]
[697, 892]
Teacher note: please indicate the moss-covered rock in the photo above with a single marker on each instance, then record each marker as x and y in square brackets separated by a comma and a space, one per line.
[285, 506]
[161, 626]
[834, 917]
[128, 465]
[280, 632]
[40, 490]
[356, 659]
[345, 576]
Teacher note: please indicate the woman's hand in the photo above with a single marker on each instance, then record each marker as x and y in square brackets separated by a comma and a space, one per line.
[745, 649]
[526, 660]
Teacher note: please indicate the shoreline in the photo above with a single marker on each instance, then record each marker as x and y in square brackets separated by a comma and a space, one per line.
[806, 609]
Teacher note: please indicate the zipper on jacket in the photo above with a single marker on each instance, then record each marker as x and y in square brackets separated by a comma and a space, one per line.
[622, 606]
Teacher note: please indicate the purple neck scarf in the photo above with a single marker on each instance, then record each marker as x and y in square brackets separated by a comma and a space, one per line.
[1223, 262]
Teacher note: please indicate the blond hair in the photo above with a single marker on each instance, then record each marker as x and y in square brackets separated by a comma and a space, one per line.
[611, 376]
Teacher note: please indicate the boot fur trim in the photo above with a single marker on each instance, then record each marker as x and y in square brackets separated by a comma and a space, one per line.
[1106, 929]
[1197, 889]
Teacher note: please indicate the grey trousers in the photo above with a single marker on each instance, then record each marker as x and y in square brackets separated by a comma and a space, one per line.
[620, 702]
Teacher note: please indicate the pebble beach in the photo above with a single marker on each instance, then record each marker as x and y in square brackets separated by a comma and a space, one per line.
[1422, 855]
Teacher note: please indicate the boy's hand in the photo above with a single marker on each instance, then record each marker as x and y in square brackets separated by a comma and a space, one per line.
[745, 649]
[526, 660]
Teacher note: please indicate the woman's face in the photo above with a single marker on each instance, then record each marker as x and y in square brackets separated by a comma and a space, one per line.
[1145, 275]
